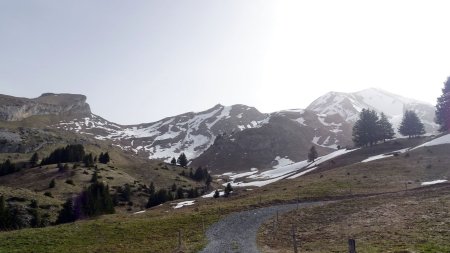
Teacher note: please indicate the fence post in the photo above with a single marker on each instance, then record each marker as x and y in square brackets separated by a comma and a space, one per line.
[179, 239]
[294, 240]
[351, 246]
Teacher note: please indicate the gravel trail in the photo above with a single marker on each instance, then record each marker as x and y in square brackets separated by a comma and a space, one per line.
[236, 233]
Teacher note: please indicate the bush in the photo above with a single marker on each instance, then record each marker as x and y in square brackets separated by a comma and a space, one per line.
[70, 181]
[48, 194]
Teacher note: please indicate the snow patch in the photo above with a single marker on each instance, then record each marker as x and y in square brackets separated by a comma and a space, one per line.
[184, 203]
[434, 182]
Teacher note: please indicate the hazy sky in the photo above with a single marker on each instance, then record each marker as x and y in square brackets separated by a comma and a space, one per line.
[140, 61]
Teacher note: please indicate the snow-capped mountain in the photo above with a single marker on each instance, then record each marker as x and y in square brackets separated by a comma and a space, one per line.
[348, 106]
[189, 133]
[236, 137]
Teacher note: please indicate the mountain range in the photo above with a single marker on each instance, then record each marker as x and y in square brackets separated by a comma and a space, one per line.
[225, 138]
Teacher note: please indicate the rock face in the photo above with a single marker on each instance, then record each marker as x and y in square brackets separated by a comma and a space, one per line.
[15, 109]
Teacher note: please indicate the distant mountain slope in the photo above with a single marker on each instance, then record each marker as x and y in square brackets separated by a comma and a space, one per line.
[348, 106]
[226, 137]
[191, 133]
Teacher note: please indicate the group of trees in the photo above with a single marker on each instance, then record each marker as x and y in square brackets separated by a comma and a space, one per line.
[200, 175]
[93, 201]
[104, 158]
[182, 160]
[70, 153]
[17, 216]
[164, 195]
[7, 168]
[226, 192]
[371, 128]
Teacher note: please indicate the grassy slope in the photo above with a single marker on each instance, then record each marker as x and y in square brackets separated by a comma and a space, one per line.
[415, 221]
[155, 231]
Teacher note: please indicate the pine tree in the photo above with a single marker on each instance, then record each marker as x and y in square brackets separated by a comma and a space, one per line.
[34, 159]
[386, 132]
[52, 183]
[94, 178]
[216, 194]
[443, 108]
[174, 187]
[67, 213]
[366, 130]
[182, 160]
[411, 125]
[173, 161]
[312, 155]
[228, 190]
[180, 194]
[151, 189]
[4, 214]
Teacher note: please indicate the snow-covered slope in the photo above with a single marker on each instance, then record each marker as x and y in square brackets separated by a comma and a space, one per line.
[191, 133]
[348, 106]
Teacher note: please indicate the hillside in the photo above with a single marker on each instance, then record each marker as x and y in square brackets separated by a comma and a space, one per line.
[157, 228]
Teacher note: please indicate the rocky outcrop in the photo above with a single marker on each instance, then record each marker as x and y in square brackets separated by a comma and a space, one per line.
[15, 108]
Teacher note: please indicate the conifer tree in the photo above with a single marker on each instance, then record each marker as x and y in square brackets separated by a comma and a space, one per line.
[386, 132]
[94, 178]
[228, 190]
[34, 159]
[4, 214]
[182, 160]
[173, 161]
[312, 155]
[67, 213]
[443, 108]
[180, 194]
[216, 194]
[411, 125]
[52, 183]
[366, 130]
[151, 188]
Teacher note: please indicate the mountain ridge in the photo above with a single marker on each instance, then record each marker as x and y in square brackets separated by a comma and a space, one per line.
[325, 123]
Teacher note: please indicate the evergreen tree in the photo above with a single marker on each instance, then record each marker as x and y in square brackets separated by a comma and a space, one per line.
[366, 130]
[36, 219]
[180, 194]
[312, 155]
[52, 183]
[67, 213]
[94, 178]
[7, 168]
[88, 160]
[96, 200]
[228, 190]
[208, 181]
[443, 108]
[151, 188]
[216, 194]
[4, 214]
[70, 153]
[173, 161]
[104, 158]
[126, 193]
[182, 160]
[386, 132]
[174, 187]
[411, 125]
[34, 159]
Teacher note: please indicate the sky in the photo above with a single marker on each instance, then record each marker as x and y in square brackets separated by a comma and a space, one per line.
[141, 61]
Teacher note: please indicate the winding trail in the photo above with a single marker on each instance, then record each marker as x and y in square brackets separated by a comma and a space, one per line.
[237, 232]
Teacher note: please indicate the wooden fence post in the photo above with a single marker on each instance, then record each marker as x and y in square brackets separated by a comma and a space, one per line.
[351, 246]
[179, 239]
[294, 240]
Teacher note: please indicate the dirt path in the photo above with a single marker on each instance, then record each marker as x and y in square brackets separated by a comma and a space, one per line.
[237, 232]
